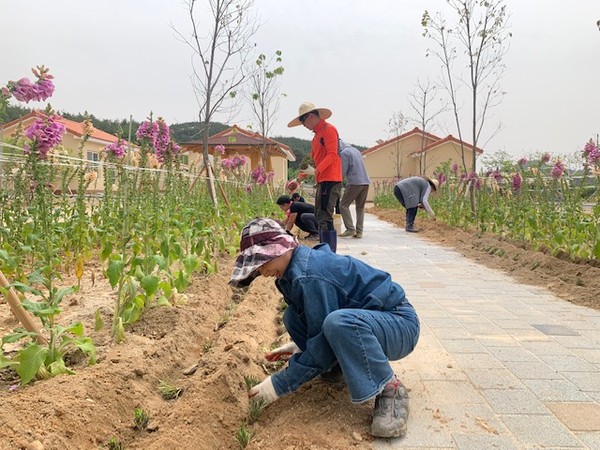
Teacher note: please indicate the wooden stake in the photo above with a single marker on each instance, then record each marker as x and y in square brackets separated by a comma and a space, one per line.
[18, 310]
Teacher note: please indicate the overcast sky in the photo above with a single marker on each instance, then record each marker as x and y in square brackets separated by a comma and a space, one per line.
[360, 58]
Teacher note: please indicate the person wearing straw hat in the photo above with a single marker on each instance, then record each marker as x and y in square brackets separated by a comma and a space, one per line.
[328, 166]
[413, 193]
[356, 321]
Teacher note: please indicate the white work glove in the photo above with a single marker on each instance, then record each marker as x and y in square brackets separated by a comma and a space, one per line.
[283, 352]
[264, 391]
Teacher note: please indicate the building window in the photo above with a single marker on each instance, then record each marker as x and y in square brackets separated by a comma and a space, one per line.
[93, 157]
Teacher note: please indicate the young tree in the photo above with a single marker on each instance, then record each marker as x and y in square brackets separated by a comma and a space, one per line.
[421, 101]
[220, 56]
[482, 33]
[396, 126]
[264, 96]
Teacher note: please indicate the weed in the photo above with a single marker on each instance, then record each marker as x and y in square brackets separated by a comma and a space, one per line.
[169, 391]
[244, 435]
[141, 419]
[98, 321]
[579, 282]
[207, 346]
[282, 305]
[115, 444]
[256, 409]
[250, 381]
[222, 322]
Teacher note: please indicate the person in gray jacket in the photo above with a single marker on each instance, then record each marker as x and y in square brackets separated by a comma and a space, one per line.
[357, 188]
[413, 193]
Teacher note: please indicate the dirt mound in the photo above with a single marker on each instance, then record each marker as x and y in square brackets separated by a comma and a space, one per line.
[206, 347]
[217, 338]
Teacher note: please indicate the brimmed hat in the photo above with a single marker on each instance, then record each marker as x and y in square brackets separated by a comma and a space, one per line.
[261, 241]
[307, 107]
[434, 182]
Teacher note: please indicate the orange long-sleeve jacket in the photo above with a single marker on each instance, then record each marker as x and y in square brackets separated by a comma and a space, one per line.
[325, 153]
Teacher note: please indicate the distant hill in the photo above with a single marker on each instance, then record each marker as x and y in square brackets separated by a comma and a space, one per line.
[181, 132]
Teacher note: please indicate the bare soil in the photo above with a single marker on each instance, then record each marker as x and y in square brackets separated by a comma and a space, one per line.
[206, 346]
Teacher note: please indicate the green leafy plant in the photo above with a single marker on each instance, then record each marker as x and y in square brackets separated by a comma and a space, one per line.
[168, 391]
[141, 419]
[256, 408]
[115, 444]
[250, 381]
[39, 360]
[244, 435]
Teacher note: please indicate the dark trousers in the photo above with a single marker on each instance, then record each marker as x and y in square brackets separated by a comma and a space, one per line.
[411, 213]
[307, 222]
[326, 198]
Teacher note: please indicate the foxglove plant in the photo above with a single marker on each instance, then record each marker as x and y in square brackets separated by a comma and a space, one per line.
[591, 153]
[25, 90]
[116, 149]
[45, 133]
[558, 169]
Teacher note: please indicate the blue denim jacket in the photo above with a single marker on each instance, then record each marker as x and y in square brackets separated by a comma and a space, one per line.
[317, 282]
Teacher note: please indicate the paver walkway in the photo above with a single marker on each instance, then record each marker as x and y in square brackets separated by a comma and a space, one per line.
[499, 364]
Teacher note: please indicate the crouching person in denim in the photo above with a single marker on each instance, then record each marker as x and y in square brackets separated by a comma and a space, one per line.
[343, 316]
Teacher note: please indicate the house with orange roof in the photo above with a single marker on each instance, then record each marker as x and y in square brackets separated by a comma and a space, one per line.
[415, 152]
[238, 141]
[72, 139]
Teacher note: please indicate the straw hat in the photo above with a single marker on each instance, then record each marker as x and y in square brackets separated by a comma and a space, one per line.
[435, 183]
[307, 107]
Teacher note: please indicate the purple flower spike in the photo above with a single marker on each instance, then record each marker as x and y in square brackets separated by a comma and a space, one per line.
[558, 169]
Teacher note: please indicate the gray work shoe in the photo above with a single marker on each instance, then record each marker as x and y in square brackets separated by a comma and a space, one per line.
[411, 228]
[391, 413]
[348, 233]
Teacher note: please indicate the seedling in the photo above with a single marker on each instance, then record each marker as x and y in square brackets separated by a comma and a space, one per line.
[207, 346]
[141, 419]
[169, 391]
[115, 444]
[250, 381]
[244, 435]
[256, 409]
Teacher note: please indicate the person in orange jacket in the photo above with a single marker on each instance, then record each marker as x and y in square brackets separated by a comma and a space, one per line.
[328, 166]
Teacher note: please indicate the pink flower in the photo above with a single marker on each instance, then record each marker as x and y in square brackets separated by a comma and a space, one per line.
[25, 91]
[591, 152]
[116, 149]
[497, 175]
[522, 162]
[260, 176]
[589, 147]
[455, 168]
[45, 133]
[220, 149]
[558, 169]
[517, 182]
[233, 163]
[147, 130]
[546, 157]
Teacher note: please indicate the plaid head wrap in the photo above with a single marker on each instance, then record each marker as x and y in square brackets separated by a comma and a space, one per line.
[261, 241]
